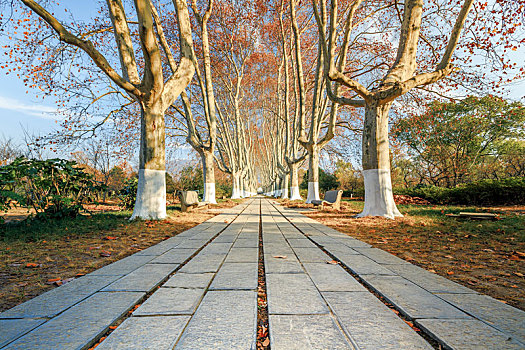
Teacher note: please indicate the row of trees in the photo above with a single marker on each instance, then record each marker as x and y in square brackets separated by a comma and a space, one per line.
[255, 88]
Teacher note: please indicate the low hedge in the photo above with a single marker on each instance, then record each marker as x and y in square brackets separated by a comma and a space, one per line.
[484, 192]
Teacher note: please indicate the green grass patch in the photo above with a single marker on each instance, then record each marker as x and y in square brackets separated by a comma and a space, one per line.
[34, 230]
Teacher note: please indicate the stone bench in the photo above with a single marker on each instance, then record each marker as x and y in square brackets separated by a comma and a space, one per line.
[190, 200]
[331, 198]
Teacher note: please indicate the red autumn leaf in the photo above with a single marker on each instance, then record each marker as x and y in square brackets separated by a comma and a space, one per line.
[33, 265]
[280, 256]
[51, 280]
[332, 262]
[110, 238]
[105, 254]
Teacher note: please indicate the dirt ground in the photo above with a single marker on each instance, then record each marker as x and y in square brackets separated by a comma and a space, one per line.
[29, 268]
[487, 256]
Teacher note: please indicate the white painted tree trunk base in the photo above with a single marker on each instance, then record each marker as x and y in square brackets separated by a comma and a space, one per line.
[236, 192]
[313, 192]
[284, 193]
[151, 195]
[209, 193]
[295, 195]
[379, 198]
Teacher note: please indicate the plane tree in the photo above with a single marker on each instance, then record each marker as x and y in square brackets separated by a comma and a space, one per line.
[142, 76]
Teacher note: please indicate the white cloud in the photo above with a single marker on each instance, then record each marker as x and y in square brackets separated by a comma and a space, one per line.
[37, 110]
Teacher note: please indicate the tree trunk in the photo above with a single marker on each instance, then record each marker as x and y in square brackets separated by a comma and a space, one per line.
[150, 203]
[236, 184]
[294, 176]
[379, 198]
[284, 187]
[208, 174]
[313, 174]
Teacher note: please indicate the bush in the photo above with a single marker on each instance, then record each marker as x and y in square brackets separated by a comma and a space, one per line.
[128, 194]
[54, 188]
[484, 192]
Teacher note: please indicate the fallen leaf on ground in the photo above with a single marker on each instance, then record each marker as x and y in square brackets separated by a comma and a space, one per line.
[33, 265]
[450, 272]
[105, 254]
[93, 248]
[266, 342]
[51, 280]
[280, 256]
[332, 262]
[519, 274]
[110, 238]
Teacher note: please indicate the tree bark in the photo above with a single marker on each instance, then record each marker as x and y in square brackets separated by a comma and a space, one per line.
[236, 185]
[294, 176]
[208, 174]
[379, 198]
[151, 189]
[313, 174]
[284, 194]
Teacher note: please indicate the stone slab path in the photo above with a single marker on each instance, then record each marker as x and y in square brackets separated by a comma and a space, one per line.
[198, 290]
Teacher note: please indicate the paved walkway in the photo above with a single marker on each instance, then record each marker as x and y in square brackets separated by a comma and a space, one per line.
[198, 290]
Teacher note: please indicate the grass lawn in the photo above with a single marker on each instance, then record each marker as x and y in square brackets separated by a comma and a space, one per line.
[487, 256]
[38, 256]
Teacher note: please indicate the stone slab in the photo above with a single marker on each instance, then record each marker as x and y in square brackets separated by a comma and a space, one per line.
[279, 265]
[340, 250]
[371, 324]
[216, 248]
[124, 266]
[77, 327]
[189, 280]
[301, 243]
[224, 320]
[148, 333]
[193, 243]
[332, 278]
[12, 329]
[380, 256]
[291, 233]
[171, 301]
[174, 256]
[293, 294]
[468, 335]
[362, 265]
[236, 276]
[143, 279]
[427, 280]
[299, 332]
[226, 238]
[311, 255]
[353, 243]
[243, 255]
[246, 243]
[59, 299]
[277, 249]
[203, 263]
[411, 299]
[499, 315]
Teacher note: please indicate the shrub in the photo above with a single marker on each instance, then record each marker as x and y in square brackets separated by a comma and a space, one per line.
[128, 194]
[54, 188]
[483, 192]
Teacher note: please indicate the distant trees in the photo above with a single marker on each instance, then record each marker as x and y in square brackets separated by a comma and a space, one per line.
[463, 141]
